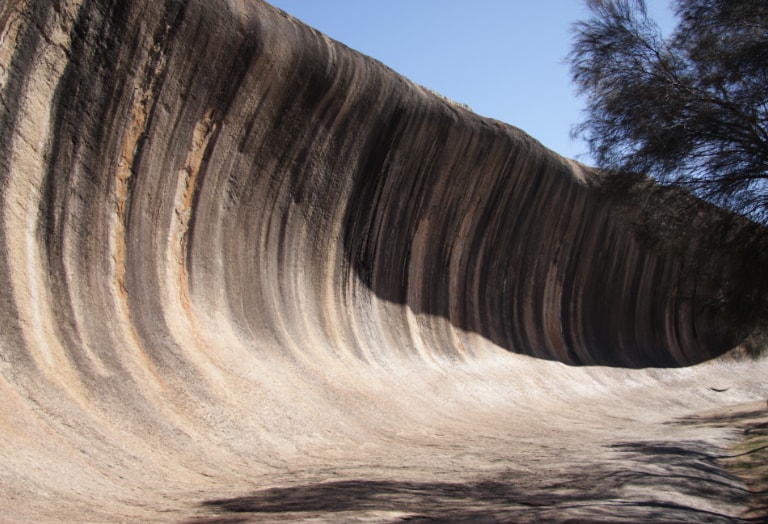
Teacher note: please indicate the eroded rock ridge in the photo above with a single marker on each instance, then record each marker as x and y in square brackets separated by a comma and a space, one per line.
[200, 200]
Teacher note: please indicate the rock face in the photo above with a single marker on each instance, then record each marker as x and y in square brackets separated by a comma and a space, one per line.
[228, 240]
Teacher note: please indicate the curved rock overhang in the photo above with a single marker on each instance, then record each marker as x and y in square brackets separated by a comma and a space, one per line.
[199, 200]
[189, 159]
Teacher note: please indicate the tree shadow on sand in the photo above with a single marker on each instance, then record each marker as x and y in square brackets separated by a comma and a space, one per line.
[631, 482]
[747, 457]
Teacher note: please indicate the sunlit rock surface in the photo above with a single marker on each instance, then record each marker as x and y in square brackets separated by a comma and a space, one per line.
[248, 272]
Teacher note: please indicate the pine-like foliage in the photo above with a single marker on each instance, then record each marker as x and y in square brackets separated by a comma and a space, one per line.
[690, 108]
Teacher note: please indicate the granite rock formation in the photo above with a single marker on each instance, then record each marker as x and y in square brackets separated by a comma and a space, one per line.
[232, 245]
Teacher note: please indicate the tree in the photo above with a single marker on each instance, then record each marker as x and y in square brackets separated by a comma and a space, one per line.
[690, 109]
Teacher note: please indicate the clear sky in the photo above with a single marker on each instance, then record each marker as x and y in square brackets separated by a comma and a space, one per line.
[504, 58]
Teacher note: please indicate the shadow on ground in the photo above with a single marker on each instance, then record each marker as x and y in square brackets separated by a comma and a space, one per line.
[747, 457]
[629, 482]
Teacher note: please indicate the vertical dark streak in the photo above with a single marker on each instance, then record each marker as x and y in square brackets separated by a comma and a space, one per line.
[11, 339]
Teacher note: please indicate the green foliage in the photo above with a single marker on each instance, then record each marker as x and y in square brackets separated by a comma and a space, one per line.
[689, 109]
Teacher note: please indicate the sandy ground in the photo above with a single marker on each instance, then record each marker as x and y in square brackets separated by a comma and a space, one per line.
[603, 445]
[661, 453]
[248, 274]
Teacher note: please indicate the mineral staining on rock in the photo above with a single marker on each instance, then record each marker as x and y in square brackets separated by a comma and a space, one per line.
[232, 245]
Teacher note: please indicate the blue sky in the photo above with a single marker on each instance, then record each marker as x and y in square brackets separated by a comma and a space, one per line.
[504, 58]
